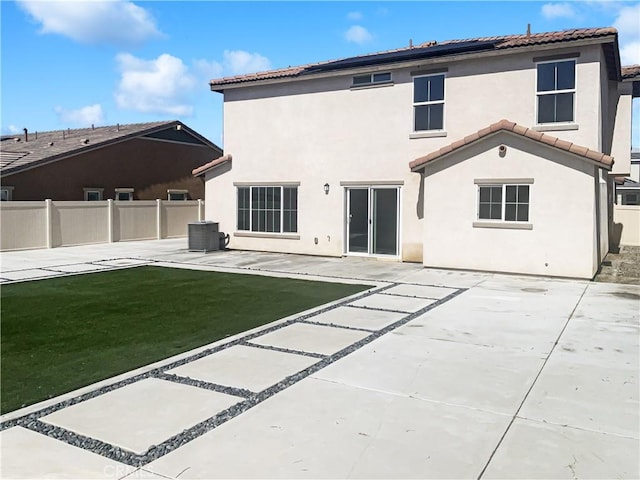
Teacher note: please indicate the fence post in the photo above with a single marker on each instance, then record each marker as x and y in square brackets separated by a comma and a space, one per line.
[159, 219]
[200, 211]
[110, 220]
[49, 214]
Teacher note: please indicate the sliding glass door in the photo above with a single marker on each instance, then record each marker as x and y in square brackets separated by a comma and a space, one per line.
[372, 220]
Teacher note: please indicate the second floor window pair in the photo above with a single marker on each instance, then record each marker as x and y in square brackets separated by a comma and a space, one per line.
[555, 91]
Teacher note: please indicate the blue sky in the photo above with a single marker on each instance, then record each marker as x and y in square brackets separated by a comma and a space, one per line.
[76, 63]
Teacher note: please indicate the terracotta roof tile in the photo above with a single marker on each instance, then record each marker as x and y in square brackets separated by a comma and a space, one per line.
[208, 166]
[505, 125]
[630, 71]
[501, 43]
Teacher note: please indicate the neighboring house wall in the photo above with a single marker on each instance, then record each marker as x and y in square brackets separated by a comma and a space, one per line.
[317, 131]
[150, 167]
[560, 237]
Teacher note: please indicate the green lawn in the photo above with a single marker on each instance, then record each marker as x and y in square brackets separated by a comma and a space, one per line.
[61, 334]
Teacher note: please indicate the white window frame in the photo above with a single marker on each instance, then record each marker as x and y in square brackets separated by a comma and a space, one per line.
[574, 90]
[172, 191]
[503, 184]
[372, 79]
[432, 102]
[625, 196]
[128, 191]
[251, 230]
[90, 190]
[6, 193]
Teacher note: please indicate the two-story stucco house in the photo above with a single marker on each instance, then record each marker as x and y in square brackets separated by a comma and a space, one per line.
[491, 154]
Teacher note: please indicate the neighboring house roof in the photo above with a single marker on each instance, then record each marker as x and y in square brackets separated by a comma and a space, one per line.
[437, 49]
[628, 184]
[635, 155]
[208, 166]
[18, 153]
[506, 126]
[631, 73]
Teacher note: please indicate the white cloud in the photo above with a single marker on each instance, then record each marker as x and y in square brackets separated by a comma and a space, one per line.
[354, 16]
[628, 28]
[630, 53]
[94, 21]
[237, 62]
[358, 34]
[558, 10]
[163, 85]
[82, 117]
[209, 69]
[12, 129]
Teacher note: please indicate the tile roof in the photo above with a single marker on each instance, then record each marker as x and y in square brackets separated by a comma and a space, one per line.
[506, 125]
[631, 72]
[208, 166]
[16, 154]
[499, 43]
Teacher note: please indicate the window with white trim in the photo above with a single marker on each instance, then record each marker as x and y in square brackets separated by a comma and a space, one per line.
[428, 102]
[371, 79]
[173, 194]
[6, 194]
[272, 209]
[631, 199]
[508, 203]
[124, 194]
[93, 194]
[556, 91]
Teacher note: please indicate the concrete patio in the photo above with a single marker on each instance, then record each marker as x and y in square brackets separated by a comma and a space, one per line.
[429, 374]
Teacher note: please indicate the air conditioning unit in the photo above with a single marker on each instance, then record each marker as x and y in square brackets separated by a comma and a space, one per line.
[205, 237]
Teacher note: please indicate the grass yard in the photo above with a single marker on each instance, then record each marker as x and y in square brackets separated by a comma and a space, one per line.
[64, 333]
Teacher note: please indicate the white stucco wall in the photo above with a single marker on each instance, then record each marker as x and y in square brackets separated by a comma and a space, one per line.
[319, 131]
[562, 241]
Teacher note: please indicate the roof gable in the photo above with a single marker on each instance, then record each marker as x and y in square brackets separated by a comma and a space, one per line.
[602, 160]
[22, 152]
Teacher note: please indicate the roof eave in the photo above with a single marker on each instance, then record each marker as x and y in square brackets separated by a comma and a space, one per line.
[220, 88]
[422, 165]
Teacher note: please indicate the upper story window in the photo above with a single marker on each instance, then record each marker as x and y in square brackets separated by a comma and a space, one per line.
[268, 209]
[428, 102]
[173, 194]
[556, 90]
[124, 194]
[93, 194]
[371, 79]
[6, 194]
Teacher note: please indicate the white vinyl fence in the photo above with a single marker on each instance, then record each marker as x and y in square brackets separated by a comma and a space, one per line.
[626, 224]
[49, 224]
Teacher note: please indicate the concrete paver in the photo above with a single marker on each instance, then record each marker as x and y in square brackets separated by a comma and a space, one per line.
[311, 338]
[31, 455]
[251, 368]
[358, 318]
[516, 377]
[142, 414]
[396, 303]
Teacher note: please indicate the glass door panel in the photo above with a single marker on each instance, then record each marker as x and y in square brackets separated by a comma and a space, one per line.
[385, 221]
[358, 218]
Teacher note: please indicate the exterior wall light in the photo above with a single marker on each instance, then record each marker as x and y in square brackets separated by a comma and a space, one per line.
[326, 189]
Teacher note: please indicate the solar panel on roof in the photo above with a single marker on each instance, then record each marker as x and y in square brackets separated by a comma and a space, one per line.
[409, 54]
